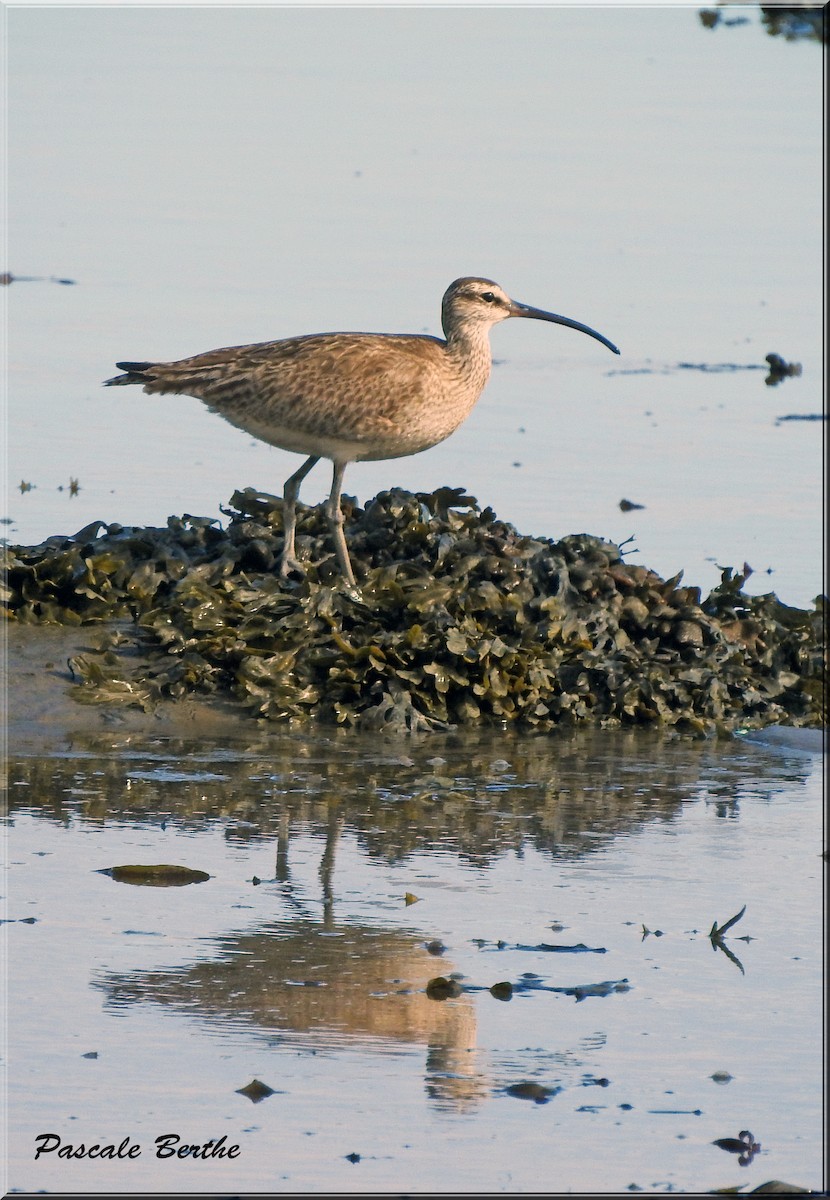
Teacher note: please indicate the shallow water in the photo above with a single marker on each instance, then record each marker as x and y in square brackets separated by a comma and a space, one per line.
[312, 980]
[215, 176]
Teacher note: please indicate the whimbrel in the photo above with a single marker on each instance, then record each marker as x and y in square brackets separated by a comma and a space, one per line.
[349, 397]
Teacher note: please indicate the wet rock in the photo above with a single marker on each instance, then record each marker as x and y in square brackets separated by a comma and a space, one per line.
[256, 1091]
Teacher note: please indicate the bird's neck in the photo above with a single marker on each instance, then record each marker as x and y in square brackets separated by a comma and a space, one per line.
[469, 349]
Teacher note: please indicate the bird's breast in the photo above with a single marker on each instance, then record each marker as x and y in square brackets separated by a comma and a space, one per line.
[354, 396]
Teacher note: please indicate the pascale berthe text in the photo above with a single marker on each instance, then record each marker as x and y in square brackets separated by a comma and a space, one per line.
[168, 1145]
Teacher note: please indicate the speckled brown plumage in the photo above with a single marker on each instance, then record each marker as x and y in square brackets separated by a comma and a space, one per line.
[349, 396]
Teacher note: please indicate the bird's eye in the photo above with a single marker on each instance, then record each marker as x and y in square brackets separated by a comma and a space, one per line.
[490, 297]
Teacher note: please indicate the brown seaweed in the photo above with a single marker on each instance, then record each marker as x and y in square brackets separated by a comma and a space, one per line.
[458, 618]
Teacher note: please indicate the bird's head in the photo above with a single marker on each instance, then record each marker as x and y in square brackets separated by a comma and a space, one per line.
[472, 305]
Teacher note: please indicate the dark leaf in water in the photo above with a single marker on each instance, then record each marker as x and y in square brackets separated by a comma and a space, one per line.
[744, 1145]
[155, 875]
[732, 921]
[724, 949]
[536, 1092]
[550, 948]
[607, 988]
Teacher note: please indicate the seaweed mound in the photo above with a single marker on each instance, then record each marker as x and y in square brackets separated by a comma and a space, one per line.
[457, 618]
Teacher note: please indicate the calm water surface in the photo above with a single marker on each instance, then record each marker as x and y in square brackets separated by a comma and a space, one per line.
[217, 176]
[141, 1011]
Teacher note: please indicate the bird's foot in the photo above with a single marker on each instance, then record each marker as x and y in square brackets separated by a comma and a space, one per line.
[292, 570]
[291, 566]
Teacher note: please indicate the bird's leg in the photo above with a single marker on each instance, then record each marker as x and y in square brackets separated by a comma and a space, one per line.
[288, 560]
[334, 514]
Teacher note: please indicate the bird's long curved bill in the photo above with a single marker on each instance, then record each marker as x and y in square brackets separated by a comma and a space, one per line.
[538, 314]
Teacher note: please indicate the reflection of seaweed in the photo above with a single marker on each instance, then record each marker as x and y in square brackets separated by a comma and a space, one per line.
[567, 797]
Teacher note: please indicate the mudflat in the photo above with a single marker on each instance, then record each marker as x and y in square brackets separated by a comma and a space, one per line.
[42, 708]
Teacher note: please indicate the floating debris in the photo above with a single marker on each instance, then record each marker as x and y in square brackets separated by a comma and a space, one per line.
[710, 17]
[676, 1112]
[744, 1145]
[537, 1092]
[155, 875]
[7, 278]
[579, 948]
[608, 987]
[716, 938]
[717, 931]
[776, 367]
[795, 22]
[502, 991]
[718, 368]
[256, 1091]
[780, 369]
[801, 417]
[458, 619]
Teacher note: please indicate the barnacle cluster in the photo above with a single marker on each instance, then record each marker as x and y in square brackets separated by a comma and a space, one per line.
[457, 619]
